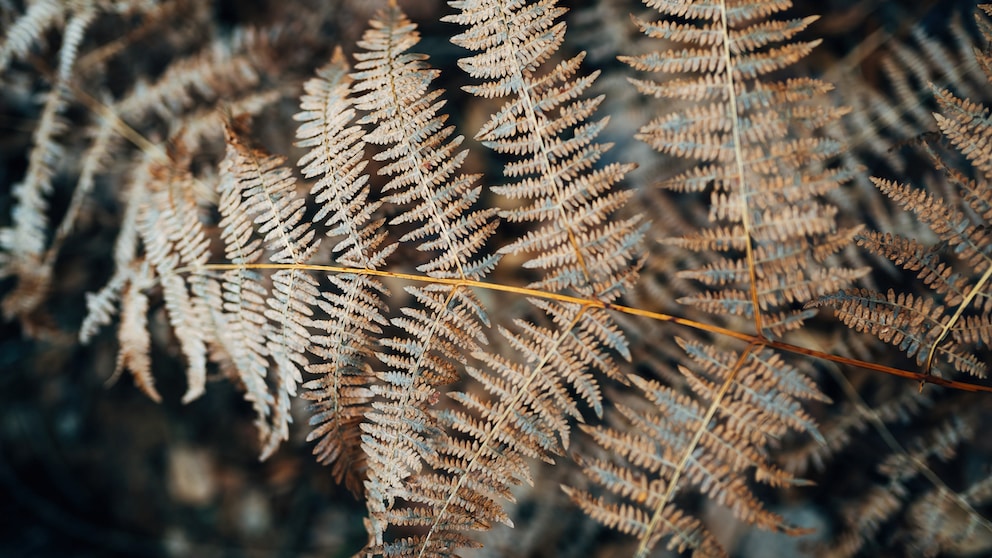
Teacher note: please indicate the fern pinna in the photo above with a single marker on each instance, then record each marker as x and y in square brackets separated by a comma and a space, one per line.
[428, 399]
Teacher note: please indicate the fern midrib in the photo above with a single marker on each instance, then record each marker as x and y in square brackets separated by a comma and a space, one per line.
[542, 146]
[739, 163]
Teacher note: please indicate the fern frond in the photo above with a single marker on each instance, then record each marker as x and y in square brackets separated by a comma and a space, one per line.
[527, 417]
[767, 223]
[543, 126]
[936, 328]
[341, 394]
[268, 200]
[422, 159]
[221, 68]
[911, 323]
[25, 244]
[934, 517]
[135, 342]
[173, 236]
[687, 532]
[445, 410]
[29, 29]
[553, 168]
[910, 254]
[895, 111]
[237, 302]
[102, 305]
[708, 440]
[394, 87]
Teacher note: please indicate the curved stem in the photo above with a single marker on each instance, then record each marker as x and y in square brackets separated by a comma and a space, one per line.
[595, 303]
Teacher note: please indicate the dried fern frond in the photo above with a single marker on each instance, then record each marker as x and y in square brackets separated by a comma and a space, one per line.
[555, 160]
[763, 170]
[767, 252]
[710, 440]
[24, 244]
[422, 161]
[947, 326]
[433, 421]
[911, 323]
[135, 341]
[213, 320]
[532, 400]
[173, 236]
[341, 393]
[526, 413]
[29, 29]
[266, 215]
[937, 519]
[30, 249]
[578, 242]
[897, 110]
[943, 327]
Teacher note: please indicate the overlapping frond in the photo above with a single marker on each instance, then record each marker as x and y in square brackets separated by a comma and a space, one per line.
[173, 236]
[949, 324]
[525, 413]
[937, 518]
[341, 393]
[29, 29]
[761, 163]
[237, 305]
[29, 246]
[102, 305]
[422, 160]
[711, 439]
[576, 245]
[767, 252]
[268, 217]
[25, 243]
[555, 165]
[897, 110]
[134, 354]
[410, 406]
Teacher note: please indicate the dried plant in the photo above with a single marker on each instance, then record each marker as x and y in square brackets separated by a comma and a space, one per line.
[450, 329]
